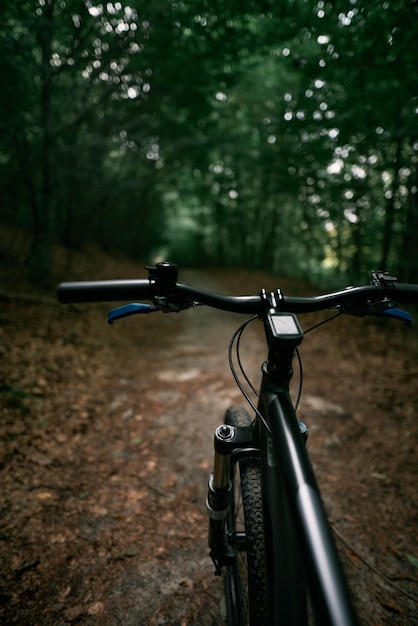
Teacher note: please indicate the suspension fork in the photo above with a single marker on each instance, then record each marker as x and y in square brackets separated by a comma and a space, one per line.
[227, 441]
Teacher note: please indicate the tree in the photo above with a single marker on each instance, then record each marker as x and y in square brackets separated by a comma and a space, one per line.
[81, 62]
[270, 134]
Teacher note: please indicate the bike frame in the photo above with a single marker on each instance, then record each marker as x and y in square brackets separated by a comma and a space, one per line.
[295, 520]
[297, 535]
[298, 541]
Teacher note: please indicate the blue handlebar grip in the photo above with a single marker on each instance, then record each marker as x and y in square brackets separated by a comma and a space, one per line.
[397, 314]
[128, 309]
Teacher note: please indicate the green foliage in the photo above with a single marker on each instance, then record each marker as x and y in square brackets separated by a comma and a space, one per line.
[278, 135]
[14, 396]
[412, 559]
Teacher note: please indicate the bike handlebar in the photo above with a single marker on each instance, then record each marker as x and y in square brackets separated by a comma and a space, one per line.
[151, 289]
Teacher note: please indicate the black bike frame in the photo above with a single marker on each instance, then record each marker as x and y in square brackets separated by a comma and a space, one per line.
[297, 535]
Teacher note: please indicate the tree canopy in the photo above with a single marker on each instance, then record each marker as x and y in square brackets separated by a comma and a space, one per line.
[275, 135]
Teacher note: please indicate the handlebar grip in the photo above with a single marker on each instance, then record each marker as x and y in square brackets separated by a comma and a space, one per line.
[103, 291]
[406, 293]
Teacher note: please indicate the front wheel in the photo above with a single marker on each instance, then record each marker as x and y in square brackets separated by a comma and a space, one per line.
[245, 579]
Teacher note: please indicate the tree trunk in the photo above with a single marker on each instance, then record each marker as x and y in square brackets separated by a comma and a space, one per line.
[390, 210]
[39, 258]
[408, 257]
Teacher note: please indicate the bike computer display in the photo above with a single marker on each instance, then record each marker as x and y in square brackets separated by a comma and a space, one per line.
[284, 326]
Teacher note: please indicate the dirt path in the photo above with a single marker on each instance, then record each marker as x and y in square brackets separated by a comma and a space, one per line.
[107, 446]
[106, 523]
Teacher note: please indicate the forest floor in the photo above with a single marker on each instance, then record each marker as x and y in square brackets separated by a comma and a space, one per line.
[106, 447]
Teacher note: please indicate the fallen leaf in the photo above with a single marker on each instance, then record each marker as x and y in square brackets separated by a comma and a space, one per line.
[74, 612]
[95, 608]
[130, 551]
[44, 495]
[412, 559]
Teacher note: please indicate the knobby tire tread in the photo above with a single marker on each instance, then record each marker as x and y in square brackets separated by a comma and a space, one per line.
[250, 484]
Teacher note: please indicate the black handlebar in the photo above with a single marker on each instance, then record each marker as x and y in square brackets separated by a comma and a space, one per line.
[149, 289]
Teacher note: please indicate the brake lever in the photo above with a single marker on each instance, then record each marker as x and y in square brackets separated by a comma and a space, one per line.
[168, 304]
[397, 314]
[162, 303]
[383, 308]
[135, 308]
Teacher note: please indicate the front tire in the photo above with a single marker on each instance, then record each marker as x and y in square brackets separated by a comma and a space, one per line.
[245, 579]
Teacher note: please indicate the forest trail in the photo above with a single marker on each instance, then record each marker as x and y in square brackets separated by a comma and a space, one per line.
[107, 446]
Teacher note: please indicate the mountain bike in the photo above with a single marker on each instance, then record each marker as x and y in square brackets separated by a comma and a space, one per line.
[268, 532]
